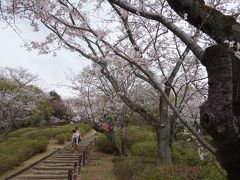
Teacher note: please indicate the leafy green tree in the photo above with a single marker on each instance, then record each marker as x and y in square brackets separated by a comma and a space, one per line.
[60, 109]
[54, 95]
[42, 112]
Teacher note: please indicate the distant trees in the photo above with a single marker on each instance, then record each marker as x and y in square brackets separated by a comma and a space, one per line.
[42, 112]
[22, 103]
[18, 97]
[60, 109]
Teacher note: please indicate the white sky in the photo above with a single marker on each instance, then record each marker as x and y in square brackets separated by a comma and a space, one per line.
[51, 70]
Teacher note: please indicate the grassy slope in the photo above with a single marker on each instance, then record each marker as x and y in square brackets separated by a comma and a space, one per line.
[52, 145]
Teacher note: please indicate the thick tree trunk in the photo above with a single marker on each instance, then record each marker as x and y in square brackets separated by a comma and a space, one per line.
[164, 151]
[173, 124]
[163, 134]
[112, 140]
[123, 137]
[219, 115]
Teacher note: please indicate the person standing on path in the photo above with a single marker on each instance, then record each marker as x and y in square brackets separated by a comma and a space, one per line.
[74, 142]
[78, 134]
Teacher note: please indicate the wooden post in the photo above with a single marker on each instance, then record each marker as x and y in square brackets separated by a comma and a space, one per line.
[75, 170]
[70, 176]
[84, 158]
[79, 163]
[87, 153]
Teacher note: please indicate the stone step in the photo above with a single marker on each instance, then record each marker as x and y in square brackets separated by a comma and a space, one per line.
[59, 161]
[57, 164]
[26, 177]
[65, 156]
[63, 159]
[29, 179]
[70, 150]
[53, 168]
[35, 171]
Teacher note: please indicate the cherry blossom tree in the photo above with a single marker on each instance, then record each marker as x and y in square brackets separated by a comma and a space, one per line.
[100, 104]
[17, 97]
[141, 93]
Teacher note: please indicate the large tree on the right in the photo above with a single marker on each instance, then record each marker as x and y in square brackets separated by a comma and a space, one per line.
[220, 114]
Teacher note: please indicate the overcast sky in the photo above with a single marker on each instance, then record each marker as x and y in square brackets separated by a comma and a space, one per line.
[51, 70]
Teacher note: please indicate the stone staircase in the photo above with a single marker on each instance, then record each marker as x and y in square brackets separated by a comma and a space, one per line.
[61, 165]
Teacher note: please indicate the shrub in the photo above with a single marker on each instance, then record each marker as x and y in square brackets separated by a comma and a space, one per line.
[16, 150]
[7, 162]
[61, 138]
[137, 134]
[84, 128]
[150, 173]
[128, 168]
[183, 136]
[20, 132]
[146, 149]
[180, 172]
[37, 146]
[184, 154]
[41, 133]
[170, 172]
[208, 171]
[140, 168]
[49, 133]
[102, 144]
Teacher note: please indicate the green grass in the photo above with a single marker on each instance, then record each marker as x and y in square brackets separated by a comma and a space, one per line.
[183, 153]
[16, 150]
[102, 144]
[129, 167]
[145, 149]
[136, 134]
[61, 138]
[24, 143]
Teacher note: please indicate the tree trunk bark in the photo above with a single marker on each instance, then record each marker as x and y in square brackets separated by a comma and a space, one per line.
[163, 134]
[123, 137]
[219, 115]
[112, 140]
[173, 124]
